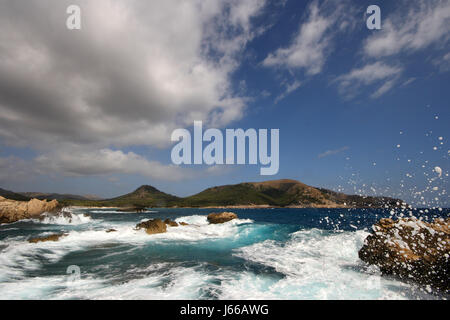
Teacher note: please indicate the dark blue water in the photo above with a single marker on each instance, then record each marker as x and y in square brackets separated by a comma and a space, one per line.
[265, 254]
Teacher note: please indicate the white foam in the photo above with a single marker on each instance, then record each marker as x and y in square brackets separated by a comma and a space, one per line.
[19, 255]
[60, 219]
[117, 211]
[316, 264]
[168, 282]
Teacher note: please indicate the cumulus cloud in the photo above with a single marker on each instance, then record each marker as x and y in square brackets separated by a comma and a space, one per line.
[136, 71]
[381, 75]
[106, 162]
[424, 23]
[313, 42]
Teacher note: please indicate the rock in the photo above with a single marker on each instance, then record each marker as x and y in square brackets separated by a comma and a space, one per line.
[411, 249]
[152, 226]
[12, 211]
[216, 218]
[184, 224]
[52, 237]
[171, 223]
[111, 230]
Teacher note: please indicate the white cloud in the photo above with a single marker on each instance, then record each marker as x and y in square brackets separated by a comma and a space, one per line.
[133, 73]
[314, 40]
[332, 152]
[380, 74]
[424, 23]
[136, 71]
[106, 162]
[443, 63]
[289, 89]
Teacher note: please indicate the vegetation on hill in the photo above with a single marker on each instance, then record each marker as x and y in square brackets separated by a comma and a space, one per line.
[278, 193]
[144, 196]
[12, 195]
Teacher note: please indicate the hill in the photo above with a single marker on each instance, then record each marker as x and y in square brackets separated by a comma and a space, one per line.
[144, 196]
[13, 195]
[280, 193]
[277, 193]
[56, 196]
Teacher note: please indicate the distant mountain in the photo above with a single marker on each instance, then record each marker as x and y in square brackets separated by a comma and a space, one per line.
[278, 193]
[145, 196]
[57, 196]
[12, 195]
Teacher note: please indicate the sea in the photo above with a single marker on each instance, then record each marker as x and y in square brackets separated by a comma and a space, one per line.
[266, 254]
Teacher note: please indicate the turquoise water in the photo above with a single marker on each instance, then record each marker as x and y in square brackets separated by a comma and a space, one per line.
[265, 254]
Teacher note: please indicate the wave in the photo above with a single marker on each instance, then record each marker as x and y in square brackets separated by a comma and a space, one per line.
[315, 264]
[159, 281]
[19, 256]
[64, 219]
[117, 211]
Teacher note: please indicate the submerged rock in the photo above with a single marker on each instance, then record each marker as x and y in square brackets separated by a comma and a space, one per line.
[152, 226]
[52, 237]
[171, 223]
[411, 249]
[12, 211]
[184, 224]
[111, 230]
[216, 218]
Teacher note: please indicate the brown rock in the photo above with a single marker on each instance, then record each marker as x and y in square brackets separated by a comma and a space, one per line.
[216, 218]
[111, 230]
[12, 211]
[411, 249]
[184, 224]
[171, 223]
[152, 226]
[52, 237]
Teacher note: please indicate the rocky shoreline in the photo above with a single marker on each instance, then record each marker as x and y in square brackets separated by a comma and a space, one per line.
[13, 211]
[411, 249]
[408, 248]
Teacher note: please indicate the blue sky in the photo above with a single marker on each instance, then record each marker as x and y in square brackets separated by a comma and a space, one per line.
[359, 111]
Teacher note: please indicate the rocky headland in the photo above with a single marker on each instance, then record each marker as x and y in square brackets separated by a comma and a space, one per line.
[12, 210]
[412, 250]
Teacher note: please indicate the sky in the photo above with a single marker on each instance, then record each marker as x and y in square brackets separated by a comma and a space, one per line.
[91, 111]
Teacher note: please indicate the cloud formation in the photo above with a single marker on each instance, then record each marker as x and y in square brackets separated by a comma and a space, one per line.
[313, 42]
[425, 23]
[379, 74]
[135, 71]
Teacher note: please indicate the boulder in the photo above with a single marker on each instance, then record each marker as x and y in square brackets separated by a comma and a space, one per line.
[171, 223]
[52, 237]
[216, 218]
[411, 249]
[12, 211]
[152, 226]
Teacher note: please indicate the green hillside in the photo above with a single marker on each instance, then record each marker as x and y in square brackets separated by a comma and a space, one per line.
[144, 196]
[278, 193]
[12, 195]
